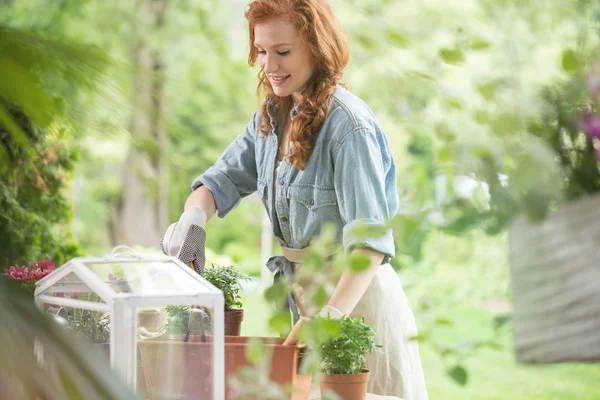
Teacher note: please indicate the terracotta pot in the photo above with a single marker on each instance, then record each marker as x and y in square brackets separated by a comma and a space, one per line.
[104, 350]
[348, 387]
[233, 322]
[178, 369]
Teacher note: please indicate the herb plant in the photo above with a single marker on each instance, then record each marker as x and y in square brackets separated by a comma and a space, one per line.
[345, 352]
[228, 280]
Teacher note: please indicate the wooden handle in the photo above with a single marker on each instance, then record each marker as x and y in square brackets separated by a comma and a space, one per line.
[292, 338]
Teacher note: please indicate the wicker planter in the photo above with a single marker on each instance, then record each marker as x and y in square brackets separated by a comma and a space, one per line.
[555, 279]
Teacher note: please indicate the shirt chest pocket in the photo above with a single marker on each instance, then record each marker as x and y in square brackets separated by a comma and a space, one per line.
[311, 207]
[312, 197]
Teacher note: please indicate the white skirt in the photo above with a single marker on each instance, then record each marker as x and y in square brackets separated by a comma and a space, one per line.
[397, 370]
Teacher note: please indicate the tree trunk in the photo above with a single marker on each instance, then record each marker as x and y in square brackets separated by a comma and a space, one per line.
[140, 217]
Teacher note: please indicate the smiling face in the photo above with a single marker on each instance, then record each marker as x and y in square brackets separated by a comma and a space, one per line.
[284, 57]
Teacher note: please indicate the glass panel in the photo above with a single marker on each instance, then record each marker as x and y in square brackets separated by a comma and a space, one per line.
[92, 326]
[146, 278]
[72, 287]
[176, 352]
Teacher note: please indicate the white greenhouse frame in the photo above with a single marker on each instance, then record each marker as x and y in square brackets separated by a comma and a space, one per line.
[122, 308]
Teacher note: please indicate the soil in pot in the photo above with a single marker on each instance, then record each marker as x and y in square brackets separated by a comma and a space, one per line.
[233, 322]
[179, 369]
[347, 387]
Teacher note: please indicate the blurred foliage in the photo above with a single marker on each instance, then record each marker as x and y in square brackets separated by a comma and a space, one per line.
[37, 156]
[34, 210]
[468, 89]
[72, 370]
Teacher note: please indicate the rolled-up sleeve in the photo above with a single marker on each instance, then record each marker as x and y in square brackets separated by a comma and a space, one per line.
[234, 175]
[361, 169]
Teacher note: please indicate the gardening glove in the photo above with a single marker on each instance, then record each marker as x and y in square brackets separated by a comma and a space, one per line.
[331, 312]
[186, 238]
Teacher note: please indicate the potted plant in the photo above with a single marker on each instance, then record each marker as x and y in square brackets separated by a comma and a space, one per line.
[343, 357]
[228, 279]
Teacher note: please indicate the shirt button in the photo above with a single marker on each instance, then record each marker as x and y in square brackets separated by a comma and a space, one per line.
[312, 202]
[281, 182]
[274, 140]
[284, 219]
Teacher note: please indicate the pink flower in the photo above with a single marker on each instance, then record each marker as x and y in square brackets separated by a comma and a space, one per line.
[589, 123]
[36, 271]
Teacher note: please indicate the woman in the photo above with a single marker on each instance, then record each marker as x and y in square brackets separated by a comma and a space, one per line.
[316, 155]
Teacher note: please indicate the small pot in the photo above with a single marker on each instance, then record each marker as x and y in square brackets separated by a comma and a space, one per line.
[346, 386]
[233, 322]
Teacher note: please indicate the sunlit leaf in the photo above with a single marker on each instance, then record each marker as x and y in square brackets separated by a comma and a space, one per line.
[479, 44]
[396, 38]
[487, 90]
[481, 116]
[451, 55]
[445, 155]
[443, 321]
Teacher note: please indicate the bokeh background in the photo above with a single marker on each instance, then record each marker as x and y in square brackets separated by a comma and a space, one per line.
[126, 102]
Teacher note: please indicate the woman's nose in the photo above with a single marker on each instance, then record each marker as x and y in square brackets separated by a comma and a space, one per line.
[270, 64]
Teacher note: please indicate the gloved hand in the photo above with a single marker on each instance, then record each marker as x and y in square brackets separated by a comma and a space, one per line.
[330, 311]
[186, 238]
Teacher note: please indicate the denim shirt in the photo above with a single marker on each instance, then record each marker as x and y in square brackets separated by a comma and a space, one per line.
[349, 179]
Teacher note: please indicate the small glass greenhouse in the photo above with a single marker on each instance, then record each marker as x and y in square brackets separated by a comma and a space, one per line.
[159, 323]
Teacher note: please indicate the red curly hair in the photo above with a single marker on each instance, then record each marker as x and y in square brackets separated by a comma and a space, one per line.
[321, 33]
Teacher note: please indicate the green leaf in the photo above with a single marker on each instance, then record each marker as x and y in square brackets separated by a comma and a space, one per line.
[480, 200]
[396, 38]
[445, 155]
[458, 374]
[570, 61]
[479, 44]
[443, 321]
[422, 75]
[366, 41]
[281, 322]
[68, 385]
[451, 55]
[359, 262]
[421, 337]
[277, 292]
[504, 124]
[320, 297]
[443, 131]
[487, 90]
[255, 350]
[500, 320]
[481, 117]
